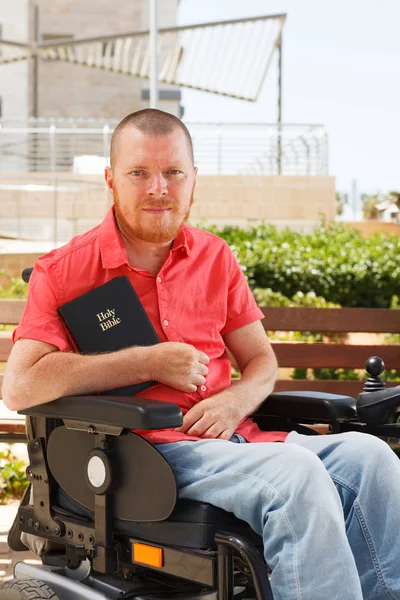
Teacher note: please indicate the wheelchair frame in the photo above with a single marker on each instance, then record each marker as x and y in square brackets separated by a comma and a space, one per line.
[83, 547]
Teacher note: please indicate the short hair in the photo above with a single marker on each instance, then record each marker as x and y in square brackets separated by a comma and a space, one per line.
[153, 122]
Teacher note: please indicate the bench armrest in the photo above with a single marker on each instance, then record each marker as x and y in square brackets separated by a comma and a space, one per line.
[314, 406]
[119, 411]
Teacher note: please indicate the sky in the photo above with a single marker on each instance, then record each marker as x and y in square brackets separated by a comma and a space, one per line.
[341, 68]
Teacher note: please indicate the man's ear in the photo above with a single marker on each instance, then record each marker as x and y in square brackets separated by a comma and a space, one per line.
[108, 175]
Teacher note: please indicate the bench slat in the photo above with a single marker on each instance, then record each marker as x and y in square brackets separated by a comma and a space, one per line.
[320, 355]
[11, 311]
[5, 348]
[293, 318]
[11, 427]
[368, 320]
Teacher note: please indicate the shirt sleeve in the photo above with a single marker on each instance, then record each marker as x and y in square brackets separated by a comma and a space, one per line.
[40, 320]
[242, 307]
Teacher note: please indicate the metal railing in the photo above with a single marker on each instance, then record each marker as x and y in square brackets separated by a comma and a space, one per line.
[60, 145]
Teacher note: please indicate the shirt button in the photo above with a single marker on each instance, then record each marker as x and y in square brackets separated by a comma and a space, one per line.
[203, 388]
[166, 323]
[159, 279]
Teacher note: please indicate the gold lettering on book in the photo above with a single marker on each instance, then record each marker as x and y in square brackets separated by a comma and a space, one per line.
[107, 319]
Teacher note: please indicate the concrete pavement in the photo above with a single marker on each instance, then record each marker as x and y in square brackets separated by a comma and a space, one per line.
[7, 515]
[8, 558]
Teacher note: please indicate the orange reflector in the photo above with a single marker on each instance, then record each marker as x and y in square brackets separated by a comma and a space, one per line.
[148, 555]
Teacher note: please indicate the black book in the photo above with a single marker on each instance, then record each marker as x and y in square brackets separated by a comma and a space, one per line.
[109, 318]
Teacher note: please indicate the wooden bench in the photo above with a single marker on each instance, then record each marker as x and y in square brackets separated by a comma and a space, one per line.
[289, 354]
[331, 355]
[12, 425]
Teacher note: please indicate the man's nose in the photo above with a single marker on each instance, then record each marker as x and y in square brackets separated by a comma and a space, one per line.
[158, 186]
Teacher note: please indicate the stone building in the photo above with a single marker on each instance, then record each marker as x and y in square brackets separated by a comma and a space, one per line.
[68, 90]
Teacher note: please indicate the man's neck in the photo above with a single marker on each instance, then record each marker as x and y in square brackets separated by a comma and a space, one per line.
[147, 255]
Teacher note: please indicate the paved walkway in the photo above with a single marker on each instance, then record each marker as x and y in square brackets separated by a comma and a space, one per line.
[8, 558]
[7, 515]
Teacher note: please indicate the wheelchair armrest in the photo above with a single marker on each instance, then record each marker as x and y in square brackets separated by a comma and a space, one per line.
[313, 406]
[119, 411]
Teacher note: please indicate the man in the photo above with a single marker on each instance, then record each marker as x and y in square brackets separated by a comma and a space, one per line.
[317, 501]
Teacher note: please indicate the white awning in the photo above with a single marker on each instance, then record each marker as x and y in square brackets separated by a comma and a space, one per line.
[229, 58]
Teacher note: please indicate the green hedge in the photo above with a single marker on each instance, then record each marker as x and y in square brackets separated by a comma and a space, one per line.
[13, 480]
[333, 263]
[12, 287]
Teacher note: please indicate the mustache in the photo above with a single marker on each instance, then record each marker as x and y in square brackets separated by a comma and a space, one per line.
[158, 203]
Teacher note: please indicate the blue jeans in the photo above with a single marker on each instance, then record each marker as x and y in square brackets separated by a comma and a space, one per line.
[327, 507]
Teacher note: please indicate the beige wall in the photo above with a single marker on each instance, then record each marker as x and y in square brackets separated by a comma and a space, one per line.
[297, 202]
[277, 199]
[14, 264]
[67, 90]
[294, 201]
[370, 227]
[77, 91]
[14, 77]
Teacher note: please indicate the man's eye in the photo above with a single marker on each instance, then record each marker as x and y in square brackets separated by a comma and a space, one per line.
[174, 172]
[136, 173]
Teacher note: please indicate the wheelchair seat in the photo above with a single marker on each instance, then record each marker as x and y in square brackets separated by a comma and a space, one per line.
[191, 524]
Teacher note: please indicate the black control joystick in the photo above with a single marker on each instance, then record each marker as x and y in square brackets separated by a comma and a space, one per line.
[374, 367]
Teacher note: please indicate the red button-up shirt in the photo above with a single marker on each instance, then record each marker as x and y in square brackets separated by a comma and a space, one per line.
[199, 295]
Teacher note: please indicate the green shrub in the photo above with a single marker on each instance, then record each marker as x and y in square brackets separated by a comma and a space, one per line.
[13, 480]
[335, 374]
[300, 373]
[334, 263]
[267, 297]
[12, 287]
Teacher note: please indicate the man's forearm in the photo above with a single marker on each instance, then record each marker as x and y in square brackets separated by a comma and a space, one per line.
[256, 383]
[65, 373]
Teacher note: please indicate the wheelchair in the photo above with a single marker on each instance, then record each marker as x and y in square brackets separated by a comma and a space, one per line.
[104, 502]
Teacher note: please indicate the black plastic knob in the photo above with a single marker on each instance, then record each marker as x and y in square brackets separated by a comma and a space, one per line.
[374, 366]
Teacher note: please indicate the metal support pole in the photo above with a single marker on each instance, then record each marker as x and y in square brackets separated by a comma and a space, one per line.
[55, 212]
[52, 147]
[219, 148]
[279, 153]
[35, 64]
[153, 42]
[106, 143]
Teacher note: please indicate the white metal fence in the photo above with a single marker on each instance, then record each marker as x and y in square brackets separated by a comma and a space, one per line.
[82, 146]
[46, 192]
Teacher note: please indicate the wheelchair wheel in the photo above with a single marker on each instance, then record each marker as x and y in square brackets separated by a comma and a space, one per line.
[26, 589]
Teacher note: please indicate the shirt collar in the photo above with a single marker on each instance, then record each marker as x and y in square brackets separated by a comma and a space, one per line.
[181, 241]
[113, 252]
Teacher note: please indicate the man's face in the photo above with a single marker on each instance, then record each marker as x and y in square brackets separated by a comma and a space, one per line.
[152, 182]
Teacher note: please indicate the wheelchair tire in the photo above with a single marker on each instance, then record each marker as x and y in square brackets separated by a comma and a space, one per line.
[26, 589]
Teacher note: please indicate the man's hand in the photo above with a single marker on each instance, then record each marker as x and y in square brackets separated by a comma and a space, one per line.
[179, 365]
[214, 417]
